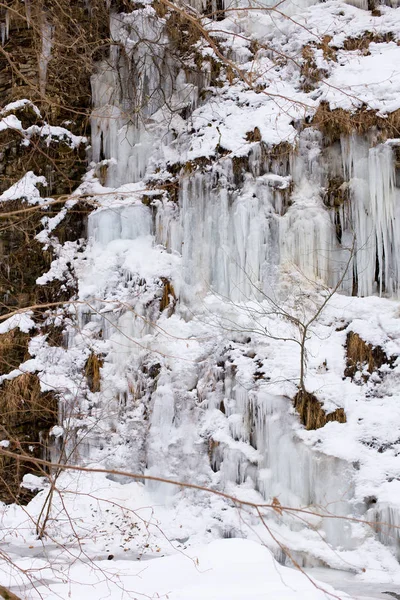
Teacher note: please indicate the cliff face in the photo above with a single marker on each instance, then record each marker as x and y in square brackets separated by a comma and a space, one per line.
[45, 65]
[201, 219]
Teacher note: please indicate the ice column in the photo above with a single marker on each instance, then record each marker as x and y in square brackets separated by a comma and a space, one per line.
[120, 223]
[374, 215]
[136, 95]
[229, 238]
[47, 44]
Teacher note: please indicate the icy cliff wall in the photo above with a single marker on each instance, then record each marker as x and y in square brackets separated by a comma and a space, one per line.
[238, 166]
[247, 166]
[270, 160]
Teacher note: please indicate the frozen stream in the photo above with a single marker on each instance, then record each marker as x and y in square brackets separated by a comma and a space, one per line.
[347, 582]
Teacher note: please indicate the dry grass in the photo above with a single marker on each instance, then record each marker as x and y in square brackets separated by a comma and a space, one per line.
[362, 42]
[328, 51]
[310, 73]
[361, 356]
[13, 350]
[182, 33]
[339, 122]
[55, 335]
[213, 449]
[7, 595]
[26, 415]
[311, 412]
[336, 193]
[92, 371]
[201, 163]
[168, 298]
[22, 402]
[254, 136]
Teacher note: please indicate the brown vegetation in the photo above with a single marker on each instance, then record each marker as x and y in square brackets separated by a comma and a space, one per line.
[213, 453]
[24, 260]
[13, 350]
[339, 122]
[310, 73]
[78, 37]
[168, 298]
[361, 356]
[336, 193]
[254, 136]
[312, 414]
[182, 32]
[7, 595]
[92, 371]
[363, 41]
[26, 414]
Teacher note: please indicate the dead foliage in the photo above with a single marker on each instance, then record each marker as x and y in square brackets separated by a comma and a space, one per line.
[339, 122]
[254, 136]
[311, 74]
[7, 594]
[55, 335]
[361, 356]
[363, 41]
[79, 34]
[13, 350]
[92, 371]
[24, 260]
[329, 52]
[182, 33]
[336, 193]
[22, 402]
[26, 415]
[54, 159]
[213, 454]
[311, 412]
[168, 298]
[202, 163]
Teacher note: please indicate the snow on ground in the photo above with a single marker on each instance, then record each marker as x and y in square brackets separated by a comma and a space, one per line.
[107, 539]
[223, 570]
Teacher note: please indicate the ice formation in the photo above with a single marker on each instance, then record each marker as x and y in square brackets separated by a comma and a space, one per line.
[250, 215]
[222, 218]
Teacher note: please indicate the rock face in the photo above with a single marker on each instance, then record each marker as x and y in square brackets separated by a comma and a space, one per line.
[45, 67]
[49, 49]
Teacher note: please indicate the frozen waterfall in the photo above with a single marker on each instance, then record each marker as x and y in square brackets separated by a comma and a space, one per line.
[235, 228]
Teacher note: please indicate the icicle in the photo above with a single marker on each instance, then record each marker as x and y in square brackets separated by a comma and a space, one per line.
[136, 96]
[120, 223]
[217, 225]
[47, 43]
[7, 32]
[388, 532]
[383, 216]
[168, 232]
[28, 12]
[5, 27]
[363, 4]
[374, 215]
